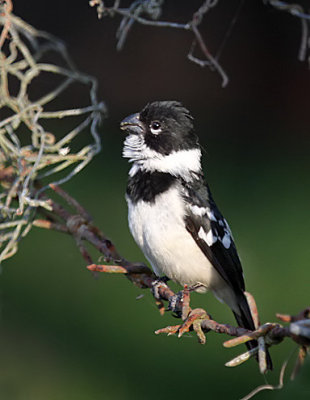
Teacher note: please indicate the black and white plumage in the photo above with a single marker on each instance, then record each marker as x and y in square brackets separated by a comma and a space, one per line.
[172, 215]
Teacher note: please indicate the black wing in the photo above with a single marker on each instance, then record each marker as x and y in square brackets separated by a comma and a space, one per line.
[212, 234]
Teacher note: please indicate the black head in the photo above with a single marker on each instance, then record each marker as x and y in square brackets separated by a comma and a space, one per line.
[165, 126]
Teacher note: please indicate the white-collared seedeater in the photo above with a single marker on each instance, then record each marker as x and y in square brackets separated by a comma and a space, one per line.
[171, 212]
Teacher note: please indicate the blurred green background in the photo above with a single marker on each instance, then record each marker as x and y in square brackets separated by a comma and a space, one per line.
[66, 335]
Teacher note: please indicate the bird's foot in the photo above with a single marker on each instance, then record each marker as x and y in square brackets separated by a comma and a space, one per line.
[192, 323]
[158, 284]
[179, 305]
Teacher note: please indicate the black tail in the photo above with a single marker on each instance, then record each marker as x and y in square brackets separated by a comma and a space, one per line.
[245, 320]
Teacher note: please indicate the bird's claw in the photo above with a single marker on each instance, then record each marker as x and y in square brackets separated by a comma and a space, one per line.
[175, 304]
[157, 284]
[157, 287]
[192, 322]
[179, 303]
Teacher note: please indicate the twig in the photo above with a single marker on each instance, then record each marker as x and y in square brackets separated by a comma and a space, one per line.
[8, 8]
[267, 386]
[152, 10]
[297, 11]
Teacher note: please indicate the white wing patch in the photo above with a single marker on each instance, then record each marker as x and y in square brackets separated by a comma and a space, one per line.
[226, 240]
[213, 235]
[210, 214]
[209, 238]
[201, 211]
[196, 210]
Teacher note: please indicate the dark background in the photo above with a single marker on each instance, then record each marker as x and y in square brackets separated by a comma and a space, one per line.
[65, 335]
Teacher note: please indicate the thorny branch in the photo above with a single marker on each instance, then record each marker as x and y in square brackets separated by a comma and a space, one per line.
[80, 226]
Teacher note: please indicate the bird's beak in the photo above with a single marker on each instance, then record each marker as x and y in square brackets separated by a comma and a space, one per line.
[132, 124]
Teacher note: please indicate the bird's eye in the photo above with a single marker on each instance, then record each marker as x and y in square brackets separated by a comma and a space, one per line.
[155, 127]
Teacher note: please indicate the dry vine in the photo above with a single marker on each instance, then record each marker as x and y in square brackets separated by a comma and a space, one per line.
[26, 118]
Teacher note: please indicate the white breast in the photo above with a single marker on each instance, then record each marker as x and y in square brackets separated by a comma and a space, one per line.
[159, 230]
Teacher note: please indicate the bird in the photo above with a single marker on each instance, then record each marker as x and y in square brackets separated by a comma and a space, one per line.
[171, 212]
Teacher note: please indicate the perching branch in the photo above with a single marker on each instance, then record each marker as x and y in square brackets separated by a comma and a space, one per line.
[80, 226]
